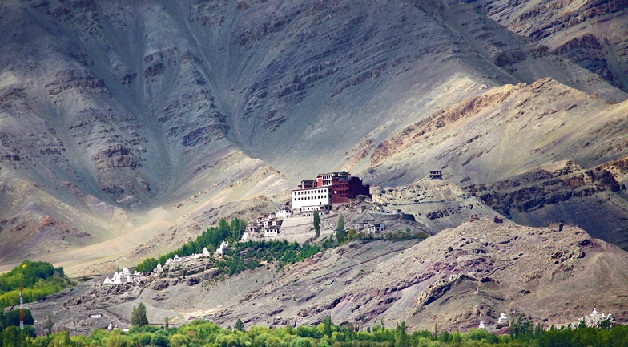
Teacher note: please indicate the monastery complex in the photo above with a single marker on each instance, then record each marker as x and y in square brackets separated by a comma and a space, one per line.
[326, 190]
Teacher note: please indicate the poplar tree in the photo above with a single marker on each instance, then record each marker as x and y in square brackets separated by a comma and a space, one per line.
[239, 325]
[317, 223]
[341, 235]
[138, 316]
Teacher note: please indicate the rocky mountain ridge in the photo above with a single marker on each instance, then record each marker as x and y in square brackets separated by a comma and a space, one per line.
[531, 197]
[589, 33]
[121, 122]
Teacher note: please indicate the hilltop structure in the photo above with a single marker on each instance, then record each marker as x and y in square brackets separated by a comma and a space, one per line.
[268, 224]
[122, 277]
[326, 190]
[595, 319]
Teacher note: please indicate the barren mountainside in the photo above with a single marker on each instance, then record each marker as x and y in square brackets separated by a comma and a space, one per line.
[455, 279]
[592, 33]
[124, 122]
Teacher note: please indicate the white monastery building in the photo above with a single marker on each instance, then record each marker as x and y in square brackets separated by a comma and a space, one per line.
[309, 199]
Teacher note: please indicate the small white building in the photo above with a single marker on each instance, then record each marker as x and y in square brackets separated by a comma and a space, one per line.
[121, 277]
[271, 222]
[284, 214]
[369, 226]
[272, 231]
[222, 248]
[502, 320]
[376, 227]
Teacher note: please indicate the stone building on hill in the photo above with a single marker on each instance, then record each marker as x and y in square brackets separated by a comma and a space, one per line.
[326, 190]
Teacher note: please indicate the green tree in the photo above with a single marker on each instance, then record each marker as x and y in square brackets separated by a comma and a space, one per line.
[237, 227]
[401, 336]
[49, 324]
[327, 326]
[13, 318]
[11, 337]
[138, 316]
[239, 325]
[148, 265]
[352, 235]
[66, 338]
[179, 340]
[317, 223]
[538, 330]
[341, 235]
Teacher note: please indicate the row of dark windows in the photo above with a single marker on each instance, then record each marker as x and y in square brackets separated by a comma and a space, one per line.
[312, 197]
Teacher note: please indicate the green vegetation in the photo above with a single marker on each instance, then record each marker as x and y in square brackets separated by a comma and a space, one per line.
[341, 234]
[248, 255]
[138, 316]
[326, 334]
[211, 238]
[251, 254]
[38, 278]
[241, 255]
[239, 325]
[317, 223]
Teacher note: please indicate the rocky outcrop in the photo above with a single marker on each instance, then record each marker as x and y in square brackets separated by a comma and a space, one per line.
[559, 188]
[590, 33]
[588, 52]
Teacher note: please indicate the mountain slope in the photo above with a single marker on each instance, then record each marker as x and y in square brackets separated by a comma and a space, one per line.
[454, 279]
[126, 120]
[591, 33]
[503, 132]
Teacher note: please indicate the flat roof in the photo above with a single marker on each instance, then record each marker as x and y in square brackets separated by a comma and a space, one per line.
[313, 188]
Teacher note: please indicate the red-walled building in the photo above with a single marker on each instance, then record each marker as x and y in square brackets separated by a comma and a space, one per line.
[342, 188]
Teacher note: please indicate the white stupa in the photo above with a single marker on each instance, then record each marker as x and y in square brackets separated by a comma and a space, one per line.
[503, 320]
[482, 325]
[594, 313]
[223, 248]
[121, 277]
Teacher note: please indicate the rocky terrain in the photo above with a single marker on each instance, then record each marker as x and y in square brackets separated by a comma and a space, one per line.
[436, 204]
[122, 123]
[533, 197]
[127, 128]
[479, 139]
[455, 279]
[590, 33]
